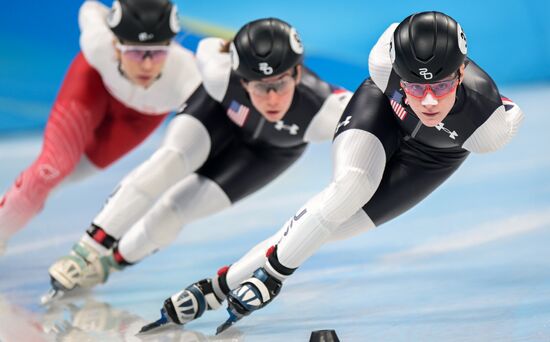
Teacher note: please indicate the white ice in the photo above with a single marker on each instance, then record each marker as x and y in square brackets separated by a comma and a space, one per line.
[470, 263]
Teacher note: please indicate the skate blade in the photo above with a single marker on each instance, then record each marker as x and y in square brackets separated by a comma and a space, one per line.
[161, 322]
[51, 296]
[225, 326]
[152, 327]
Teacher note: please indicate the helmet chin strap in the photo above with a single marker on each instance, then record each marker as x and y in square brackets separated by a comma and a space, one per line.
[120, 69]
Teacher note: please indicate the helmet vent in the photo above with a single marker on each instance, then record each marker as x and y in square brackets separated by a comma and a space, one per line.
[423, 47]
[263, 42]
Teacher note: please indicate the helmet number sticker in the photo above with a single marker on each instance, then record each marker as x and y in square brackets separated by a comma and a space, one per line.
[462, 42]
[425, 73]
[115, 15]
[234, 56]
[174, 20]
[392, 51]
[265, 68]
[296, 42]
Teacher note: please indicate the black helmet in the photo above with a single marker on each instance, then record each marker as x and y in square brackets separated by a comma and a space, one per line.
[427, 47]
[265, 48]
[144, 21]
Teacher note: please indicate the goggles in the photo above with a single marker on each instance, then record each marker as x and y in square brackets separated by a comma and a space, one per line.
[438, 89]
[138, 53]
[280, 86]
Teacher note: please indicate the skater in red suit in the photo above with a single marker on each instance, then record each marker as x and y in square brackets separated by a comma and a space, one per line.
[127, 77]
[257, 110]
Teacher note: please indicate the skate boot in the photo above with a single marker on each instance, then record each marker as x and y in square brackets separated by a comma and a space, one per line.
[84, 267]
[256, 292]
[253, 294]
[190, 303]
[87, 265]
[79, 271]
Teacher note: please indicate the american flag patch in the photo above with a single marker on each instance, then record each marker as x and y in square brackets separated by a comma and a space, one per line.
[237, 113]
[395, 102]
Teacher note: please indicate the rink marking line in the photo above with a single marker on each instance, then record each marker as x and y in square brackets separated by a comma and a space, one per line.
[479, 235]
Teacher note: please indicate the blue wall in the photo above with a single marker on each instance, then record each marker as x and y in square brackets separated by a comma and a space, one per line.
[510, 39]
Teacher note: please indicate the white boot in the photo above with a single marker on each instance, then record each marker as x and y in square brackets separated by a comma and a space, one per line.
[86, 266]
[191, 302]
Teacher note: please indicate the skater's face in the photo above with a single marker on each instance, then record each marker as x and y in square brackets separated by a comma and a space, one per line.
[272, 96]
[142, 64]
[433, 102]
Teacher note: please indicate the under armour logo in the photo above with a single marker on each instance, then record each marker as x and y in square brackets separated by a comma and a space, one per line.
[440, 126]
[143, 36]
[292, 129]
[424, 72]
[265, 68]
[344, 123]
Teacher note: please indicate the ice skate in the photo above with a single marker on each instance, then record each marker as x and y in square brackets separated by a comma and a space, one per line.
[253, 294]
[84, 267]
[187, 305]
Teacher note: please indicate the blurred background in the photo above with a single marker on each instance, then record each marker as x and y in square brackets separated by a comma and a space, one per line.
[468, 263]
[509, 39]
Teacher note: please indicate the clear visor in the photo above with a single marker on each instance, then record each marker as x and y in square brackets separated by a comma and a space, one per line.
[280, 86]
[138, 53]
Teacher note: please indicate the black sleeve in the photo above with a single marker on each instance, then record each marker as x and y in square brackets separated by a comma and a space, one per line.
[412, 170]
[369, 110]
[212, 115]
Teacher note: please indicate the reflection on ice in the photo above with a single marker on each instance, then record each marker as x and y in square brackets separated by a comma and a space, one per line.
[81, 318]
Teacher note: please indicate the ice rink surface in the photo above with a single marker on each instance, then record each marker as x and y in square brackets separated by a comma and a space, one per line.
[470, 263]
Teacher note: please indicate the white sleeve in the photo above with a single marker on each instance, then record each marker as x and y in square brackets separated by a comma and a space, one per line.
[359, 162]
[214, 66]
[96, 38]
[497, 131]
[185, 148]
[324, 123]
[380, 64]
